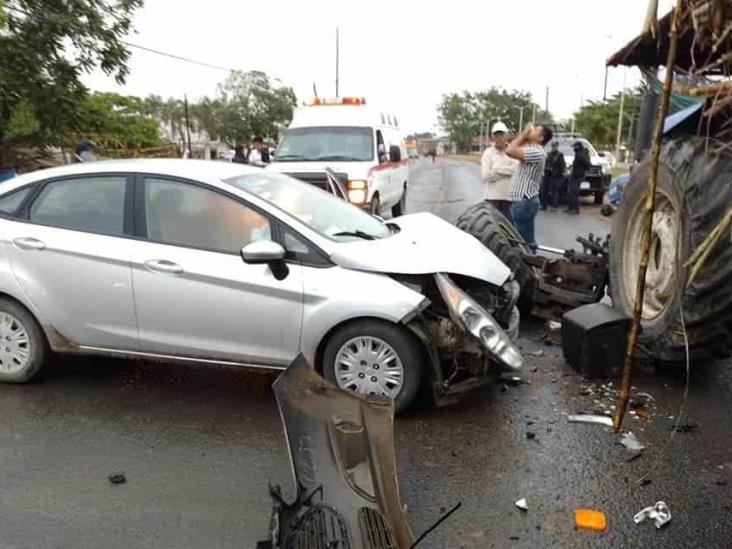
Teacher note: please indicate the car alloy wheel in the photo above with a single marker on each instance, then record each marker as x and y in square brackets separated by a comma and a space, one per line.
[369, 366]
[14, 344]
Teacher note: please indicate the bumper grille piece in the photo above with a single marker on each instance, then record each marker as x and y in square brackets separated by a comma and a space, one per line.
[375, 531]
[319, 528]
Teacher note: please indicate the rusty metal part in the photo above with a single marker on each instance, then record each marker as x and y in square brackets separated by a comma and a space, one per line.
[650, 207]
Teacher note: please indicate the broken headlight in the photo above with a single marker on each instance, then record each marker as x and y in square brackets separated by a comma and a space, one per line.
[477, 321]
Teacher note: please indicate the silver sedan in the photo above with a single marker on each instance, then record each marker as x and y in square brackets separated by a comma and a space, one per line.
[144, 258]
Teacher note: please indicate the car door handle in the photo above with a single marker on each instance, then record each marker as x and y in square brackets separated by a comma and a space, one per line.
[28, 243]
[163, 266]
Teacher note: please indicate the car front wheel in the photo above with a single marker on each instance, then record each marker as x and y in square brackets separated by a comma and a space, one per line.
[370, 357]
[22, 344]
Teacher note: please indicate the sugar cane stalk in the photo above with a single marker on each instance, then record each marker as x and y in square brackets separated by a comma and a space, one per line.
[650, 206]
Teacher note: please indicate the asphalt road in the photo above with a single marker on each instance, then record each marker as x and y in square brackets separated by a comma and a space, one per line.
[198, 445]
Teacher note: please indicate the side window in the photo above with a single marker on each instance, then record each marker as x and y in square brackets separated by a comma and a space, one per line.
[299, 250]
[10, 203]
[92, 204]
[380, 146]
[188, 215]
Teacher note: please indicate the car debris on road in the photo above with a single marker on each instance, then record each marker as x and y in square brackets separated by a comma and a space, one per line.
[659, 513]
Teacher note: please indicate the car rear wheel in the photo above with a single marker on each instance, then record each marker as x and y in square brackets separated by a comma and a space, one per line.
[370, 357]
[23, 346]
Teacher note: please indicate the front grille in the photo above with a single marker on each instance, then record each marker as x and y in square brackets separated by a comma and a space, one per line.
[375, 532]
[594, 171]
[319, 528]
[319, 179]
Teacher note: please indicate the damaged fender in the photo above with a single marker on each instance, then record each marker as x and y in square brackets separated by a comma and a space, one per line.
[342, 452]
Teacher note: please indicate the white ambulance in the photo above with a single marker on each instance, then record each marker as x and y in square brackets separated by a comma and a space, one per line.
[362, 145]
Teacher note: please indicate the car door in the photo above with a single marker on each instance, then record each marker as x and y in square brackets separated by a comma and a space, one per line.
[69, 250]
[194, 295]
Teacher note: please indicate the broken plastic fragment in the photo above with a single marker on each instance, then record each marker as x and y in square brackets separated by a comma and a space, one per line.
[589, 519]
[521, 504]
[631, 442]
[591, 418]
[658, 513]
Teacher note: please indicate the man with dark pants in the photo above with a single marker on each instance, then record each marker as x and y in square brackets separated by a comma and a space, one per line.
[528, 149]
[579, 169]
[554, 175]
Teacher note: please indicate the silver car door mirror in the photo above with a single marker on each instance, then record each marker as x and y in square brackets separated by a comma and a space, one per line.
[266, 252]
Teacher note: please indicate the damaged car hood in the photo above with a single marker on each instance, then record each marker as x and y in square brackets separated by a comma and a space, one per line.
[425, 244]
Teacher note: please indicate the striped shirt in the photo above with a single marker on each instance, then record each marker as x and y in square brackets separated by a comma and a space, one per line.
[526, 181]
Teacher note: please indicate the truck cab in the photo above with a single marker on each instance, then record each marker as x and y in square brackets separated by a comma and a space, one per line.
[362, 145]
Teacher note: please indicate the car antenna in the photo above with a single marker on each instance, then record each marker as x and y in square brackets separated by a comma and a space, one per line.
[442, 519]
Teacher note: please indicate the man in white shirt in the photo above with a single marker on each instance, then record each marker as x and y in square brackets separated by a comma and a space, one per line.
[497, 169]
[258, 155]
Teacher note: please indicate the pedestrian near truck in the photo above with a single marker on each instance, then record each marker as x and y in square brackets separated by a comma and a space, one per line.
[497, 169]
[580, 165]
[528, 149]
[554, 171]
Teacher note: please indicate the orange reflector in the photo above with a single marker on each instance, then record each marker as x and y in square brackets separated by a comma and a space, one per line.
[588, 519]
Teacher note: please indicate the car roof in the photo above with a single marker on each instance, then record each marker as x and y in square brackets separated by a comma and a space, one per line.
[173, 167]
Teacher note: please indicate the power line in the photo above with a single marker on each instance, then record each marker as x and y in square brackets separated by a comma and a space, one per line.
[179, 57]
[133, 45]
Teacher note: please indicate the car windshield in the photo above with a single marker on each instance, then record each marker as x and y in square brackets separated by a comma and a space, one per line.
[321, 211]
[326, 143]
[565, 146]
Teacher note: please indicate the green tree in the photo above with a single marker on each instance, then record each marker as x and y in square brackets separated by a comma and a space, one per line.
[461, 115]
[45, 47]
[250, 105]
[598, 120]
[117, 122]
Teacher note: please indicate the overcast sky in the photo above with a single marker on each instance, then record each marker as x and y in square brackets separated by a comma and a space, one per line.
[400, 55]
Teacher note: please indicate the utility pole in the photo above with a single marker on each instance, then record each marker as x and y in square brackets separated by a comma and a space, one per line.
[533, 114]
[521, 119]
[337, 57]
[604, 92]
[620, 117]
[546, 101]
[188, 124]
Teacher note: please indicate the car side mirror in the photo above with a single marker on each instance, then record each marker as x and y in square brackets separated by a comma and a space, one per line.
[395, 153]
[266, 252]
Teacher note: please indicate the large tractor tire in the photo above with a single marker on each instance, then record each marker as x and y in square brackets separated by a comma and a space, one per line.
[498, 234]
[693, 194]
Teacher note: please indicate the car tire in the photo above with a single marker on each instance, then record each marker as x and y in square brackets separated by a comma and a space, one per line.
[405, 346]
[694, 193]
[19, 332]
[598, 197]
[401, 206]
[375, 205]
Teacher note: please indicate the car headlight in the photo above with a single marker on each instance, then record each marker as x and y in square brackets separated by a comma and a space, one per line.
[477, 321]
[606, 169]
[357, 196]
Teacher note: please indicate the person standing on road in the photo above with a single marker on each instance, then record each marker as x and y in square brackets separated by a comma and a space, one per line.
[580, 165]
[497, 169]
[258, 155]
[528, 149]
[554, 175]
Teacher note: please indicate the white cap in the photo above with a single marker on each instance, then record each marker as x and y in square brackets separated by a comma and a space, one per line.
[499, 127]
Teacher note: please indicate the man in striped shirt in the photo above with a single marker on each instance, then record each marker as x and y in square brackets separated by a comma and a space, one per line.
[528, 149]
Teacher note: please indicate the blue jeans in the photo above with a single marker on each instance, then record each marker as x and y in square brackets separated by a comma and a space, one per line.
[524, 213]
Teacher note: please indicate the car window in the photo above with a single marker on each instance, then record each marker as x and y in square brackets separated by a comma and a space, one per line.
[93, 204]
[188, 215]
[10, 203]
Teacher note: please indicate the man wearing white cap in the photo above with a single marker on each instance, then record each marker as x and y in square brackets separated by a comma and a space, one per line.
[497, 169]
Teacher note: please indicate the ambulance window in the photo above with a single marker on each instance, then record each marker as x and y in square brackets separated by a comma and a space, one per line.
[380, 147]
